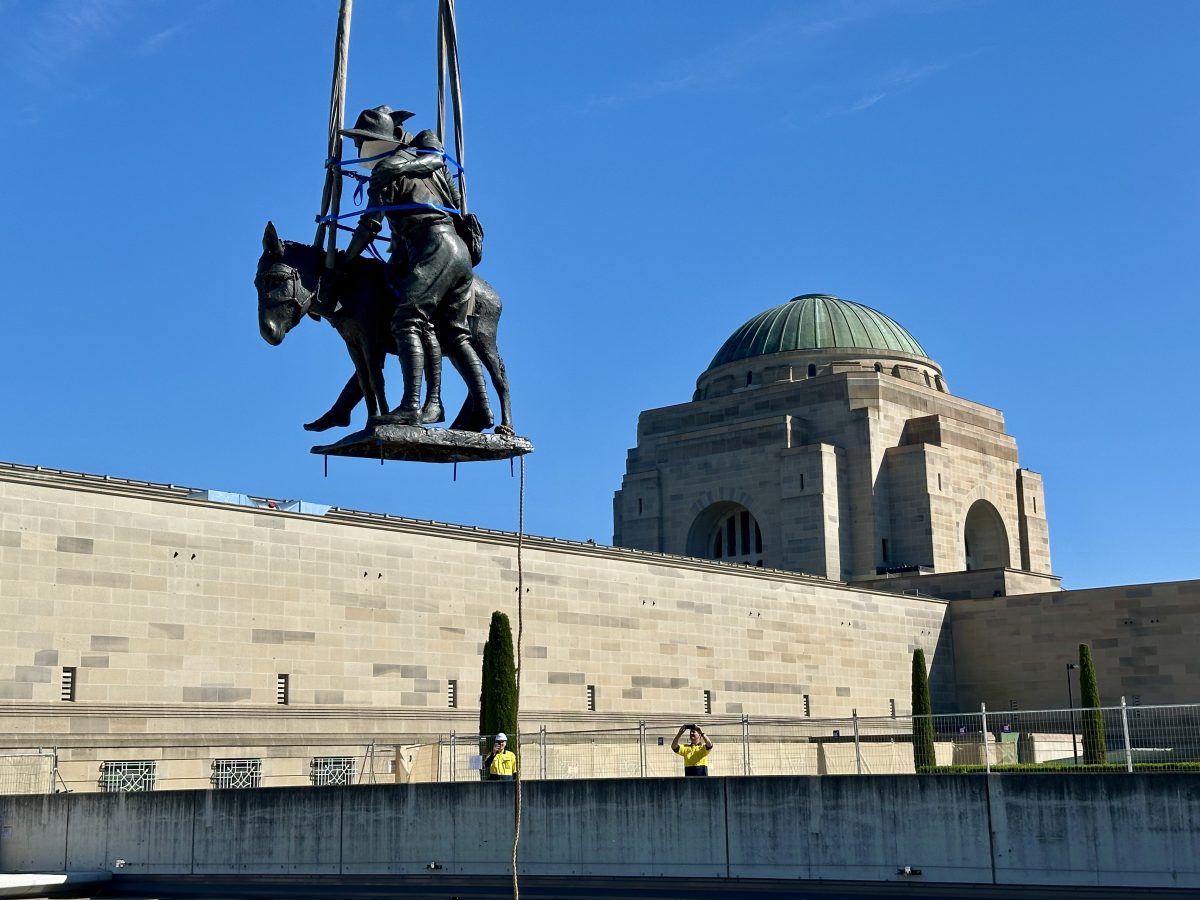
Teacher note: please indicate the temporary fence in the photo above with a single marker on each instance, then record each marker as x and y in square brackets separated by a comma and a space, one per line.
[1117, 738]
[28, 772]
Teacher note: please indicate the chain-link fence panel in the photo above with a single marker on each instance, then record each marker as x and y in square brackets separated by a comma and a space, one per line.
[31, 772]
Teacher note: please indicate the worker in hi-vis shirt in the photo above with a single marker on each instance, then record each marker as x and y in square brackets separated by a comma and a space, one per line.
[695, 751]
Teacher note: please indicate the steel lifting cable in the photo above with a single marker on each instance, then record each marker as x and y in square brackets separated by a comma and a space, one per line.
[448, 62]
[331, 196]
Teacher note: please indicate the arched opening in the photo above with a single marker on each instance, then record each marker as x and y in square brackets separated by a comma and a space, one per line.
[928, 383]
[937, 381]
[729, 532]
[879, 368]
[895, 371]
[986, 541]
[812, 371]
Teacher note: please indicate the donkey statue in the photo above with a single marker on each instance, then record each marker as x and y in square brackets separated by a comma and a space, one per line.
[288, 281]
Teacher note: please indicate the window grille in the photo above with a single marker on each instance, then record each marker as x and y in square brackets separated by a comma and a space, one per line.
[281, 689]
[68, 684]
[708, 703]
[738, 538]
[893, 705]
[452, 693]
[236, 773]
[807, 707]
[328, 771]
[591, 698]
[127, 776]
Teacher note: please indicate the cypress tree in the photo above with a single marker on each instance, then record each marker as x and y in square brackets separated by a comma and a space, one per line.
[1094, 748]
[498, 692]
[922, 711]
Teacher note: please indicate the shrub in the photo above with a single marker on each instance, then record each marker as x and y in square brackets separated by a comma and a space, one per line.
[922, 711]
[498, 691]
[1095, 751]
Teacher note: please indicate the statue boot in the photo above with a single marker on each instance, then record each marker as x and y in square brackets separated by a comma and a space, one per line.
[432, 412]
[476, 414]
[412, 366]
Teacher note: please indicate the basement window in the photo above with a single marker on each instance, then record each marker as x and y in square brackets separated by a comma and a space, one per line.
[228, 774]
[331, 771]
[127, 776]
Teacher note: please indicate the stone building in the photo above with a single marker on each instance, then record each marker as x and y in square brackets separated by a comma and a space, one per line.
[823, 439]
[822, 507]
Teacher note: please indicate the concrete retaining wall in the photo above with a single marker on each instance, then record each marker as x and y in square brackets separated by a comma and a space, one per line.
[1010, 829]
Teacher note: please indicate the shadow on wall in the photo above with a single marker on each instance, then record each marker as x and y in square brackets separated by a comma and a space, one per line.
[943, 679]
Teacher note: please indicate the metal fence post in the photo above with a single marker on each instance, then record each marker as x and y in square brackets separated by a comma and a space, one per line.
[857, 746]
[987, 751]
[542, 751]
[452, 753]
[1125, 732]
[642, 746]
[745, 744]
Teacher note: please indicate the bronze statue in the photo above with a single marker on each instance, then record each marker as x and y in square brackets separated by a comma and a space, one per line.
[288, 280]
[429, 268]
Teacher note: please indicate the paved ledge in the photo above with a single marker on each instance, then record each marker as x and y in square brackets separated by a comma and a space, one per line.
[48, 884]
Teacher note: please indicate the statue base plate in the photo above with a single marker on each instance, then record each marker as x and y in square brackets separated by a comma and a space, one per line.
[414, 443]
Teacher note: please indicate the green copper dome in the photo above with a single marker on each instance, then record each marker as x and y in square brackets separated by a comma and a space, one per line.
[816, 322]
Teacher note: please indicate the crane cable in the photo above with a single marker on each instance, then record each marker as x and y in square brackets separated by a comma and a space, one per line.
[331, 196]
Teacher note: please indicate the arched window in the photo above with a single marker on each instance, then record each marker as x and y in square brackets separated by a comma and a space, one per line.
[896, 371]
[937, 382]
[984, 537]
[812, 371]
[728, 532]
[927, 382]
[879, 368]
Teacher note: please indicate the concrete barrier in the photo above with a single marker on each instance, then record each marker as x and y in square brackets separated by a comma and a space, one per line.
[1010, 829]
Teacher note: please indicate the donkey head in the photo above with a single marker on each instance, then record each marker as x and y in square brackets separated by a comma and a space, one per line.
[286, 283]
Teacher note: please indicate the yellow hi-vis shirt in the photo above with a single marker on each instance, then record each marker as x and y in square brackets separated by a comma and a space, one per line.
[503, 763]
[693, 754]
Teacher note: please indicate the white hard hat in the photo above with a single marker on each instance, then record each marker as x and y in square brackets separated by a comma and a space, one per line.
[502, 736]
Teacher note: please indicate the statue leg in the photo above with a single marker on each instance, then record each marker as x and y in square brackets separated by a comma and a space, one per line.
[476, 414]
[412, 366]
[432, 412]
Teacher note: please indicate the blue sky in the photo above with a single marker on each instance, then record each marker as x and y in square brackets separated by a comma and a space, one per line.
[1015, 182]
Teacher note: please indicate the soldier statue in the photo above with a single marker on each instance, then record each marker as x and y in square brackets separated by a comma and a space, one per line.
[429, 267]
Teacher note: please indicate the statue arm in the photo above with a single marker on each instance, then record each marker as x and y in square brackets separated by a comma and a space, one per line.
[394, 167]
[369, 226]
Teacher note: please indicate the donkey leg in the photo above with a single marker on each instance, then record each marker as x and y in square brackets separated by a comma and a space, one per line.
[485, 346]
[375, 360]
[362, 373]
[338, 415]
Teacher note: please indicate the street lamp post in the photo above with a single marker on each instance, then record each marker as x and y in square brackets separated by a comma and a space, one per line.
[1071, 706]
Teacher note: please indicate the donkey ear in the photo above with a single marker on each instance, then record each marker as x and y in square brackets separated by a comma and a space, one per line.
[272, 246]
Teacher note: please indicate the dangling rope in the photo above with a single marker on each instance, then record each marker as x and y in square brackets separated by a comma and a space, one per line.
[331, 196]
[520, 632]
